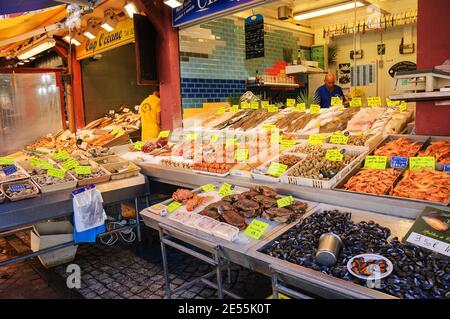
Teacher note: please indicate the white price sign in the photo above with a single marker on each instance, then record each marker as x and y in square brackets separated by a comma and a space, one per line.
[429, 243]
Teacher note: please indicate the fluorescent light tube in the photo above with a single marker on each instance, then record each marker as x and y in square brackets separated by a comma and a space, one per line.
[72, 41]
[36, 48]
[174, 3]
[328, 10]
[130, 9]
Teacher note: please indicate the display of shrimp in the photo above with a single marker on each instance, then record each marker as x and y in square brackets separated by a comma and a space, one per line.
[400, 147]
[440, 150]
[372, 181]
[189, 198]
[424, 184]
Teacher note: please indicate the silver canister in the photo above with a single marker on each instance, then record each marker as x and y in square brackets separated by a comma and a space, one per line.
[330, 245]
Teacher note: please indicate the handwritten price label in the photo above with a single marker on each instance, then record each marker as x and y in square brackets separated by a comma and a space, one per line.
[356, 102]
[286, 144]
[235, 108]
[58, 173]
[63, 155]
[138, 145]
[241, 155]
[416, 163]
[300, 107]
[403, 107]
[285, 201]
[272, 109]
[265, 104]
[221, 110]
[290, 102]
[164, 134]
[173, 206]
[192, 136]
[314, 109]
[269, 127]
[316, 139]
[208, 188]
[83, 170]
[336, 101]
[399, 162]
[225, 190]
[376, 162]
[245, 105]
[374, 101]
[256, 229]
[254, 105]
[334, 155]
[339, 138]
[72, 163]
[6, 161]
[276, 169]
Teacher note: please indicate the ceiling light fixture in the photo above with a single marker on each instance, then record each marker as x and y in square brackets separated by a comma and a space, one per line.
[91, 30]
[174, 3]
[76, 39]
[130, 9]
[327, 10]
[110, 21]
[36, 48]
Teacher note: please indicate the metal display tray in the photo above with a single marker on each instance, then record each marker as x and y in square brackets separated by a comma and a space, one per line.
[323, 284]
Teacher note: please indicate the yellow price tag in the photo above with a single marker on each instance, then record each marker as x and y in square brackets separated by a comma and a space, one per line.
[339, 138]
[208, 188]
[6, 161]
[83, 170]
[235, 108]
[230, 141]
[164, 134]
[221, 110]
[254, 105]
[285, 201]
[241, 154]
[256, 229]
[63, 155]
[375, 162]
[138, 145]
[274, 138]
[58, 173]
[374, 101]
[403, 106]
[225, 190]
[300, 107]
[192, 136]
[276, 169]
[214, 138]
[356, 102]
[72, 163]
[272, 108]
[173, 206]
[265, 104]
[316, 139]
[290, 102]
[334, 155]
[416, 163]
[336, 101]
[314, 109]
[245, 105]
[269, 127]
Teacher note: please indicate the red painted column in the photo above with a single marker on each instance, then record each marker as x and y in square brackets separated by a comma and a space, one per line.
[433, 48]
[168, 59]
[77, 87]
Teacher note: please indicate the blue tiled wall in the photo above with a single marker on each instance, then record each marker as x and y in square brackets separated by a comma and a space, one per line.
[225, 69]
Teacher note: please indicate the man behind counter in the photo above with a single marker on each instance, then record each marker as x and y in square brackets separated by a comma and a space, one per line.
[329, 90]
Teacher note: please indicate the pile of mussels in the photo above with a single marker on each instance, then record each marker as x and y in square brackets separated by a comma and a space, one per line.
[417, 274]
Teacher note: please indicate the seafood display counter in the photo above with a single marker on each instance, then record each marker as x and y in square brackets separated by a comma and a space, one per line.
[286, 251]
[384, 205]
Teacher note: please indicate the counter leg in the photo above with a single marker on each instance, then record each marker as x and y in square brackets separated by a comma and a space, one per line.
[165, 267]
[218, 273]
[274, 286]
[138, 225]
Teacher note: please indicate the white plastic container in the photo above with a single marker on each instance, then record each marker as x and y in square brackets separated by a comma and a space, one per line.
[226, 231]
[49, 234]
[206, 224]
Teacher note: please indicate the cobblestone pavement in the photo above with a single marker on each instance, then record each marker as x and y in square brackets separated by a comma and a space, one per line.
[134, 271]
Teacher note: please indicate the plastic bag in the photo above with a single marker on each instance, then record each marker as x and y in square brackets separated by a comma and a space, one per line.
[88, 208]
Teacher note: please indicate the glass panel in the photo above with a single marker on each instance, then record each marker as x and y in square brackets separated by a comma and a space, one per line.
[29, 108]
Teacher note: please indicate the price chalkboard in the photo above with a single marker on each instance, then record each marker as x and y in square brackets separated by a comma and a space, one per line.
[254, 37]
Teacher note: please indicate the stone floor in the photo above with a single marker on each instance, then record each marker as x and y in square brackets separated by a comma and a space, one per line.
[122, 271]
